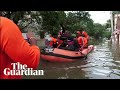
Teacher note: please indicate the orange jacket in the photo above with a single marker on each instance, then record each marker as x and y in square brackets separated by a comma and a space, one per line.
[85, 34]
[82, 41]
[85, 42]
[53, 41]
[13, 49]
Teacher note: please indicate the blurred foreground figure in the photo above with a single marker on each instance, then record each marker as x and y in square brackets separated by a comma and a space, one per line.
[13, 48]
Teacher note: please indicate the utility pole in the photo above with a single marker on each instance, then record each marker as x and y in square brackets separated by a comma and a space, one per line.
[112, 26]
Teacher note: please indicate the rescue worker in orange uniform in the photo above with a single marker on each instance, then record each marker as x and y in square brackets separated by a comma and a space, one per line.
[13, 48]
[53, 42]
[82, 31]
[82, 41]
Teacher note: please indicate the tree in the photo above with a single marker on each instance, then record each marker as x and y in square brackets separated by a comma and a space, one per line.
[50, 20]
[78, 19]
[24, 18]
[108, 24]
[14, 15]
[98, 31]
[116, 12]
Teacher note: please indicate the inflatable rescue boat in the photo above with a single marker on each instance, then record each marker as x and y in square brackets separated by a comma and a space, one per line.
[61, 55]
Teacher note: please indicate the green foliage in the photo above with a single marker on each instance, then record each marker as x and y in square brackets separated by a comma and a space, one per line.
[108, 24]
[25, 19]
[78, 19]
[14, 15]
[51, 21]
[116, 12]
[107, 35]
[98, 31]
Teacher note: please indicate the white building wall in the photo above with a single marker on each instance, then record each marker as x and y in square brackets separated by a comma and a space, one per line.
[115, 20]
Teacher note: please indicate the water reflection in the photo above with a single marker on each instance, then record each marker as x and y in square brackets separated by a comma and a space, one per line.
[102, 63]
[105, 57]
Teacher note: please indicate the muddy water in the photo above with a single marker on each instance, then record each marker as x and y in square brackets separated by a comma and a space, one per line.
[102, 63]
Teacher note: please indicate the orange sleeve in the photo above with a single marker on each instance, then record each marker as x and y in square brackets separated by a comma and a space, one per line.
[85, 41]
[14, 45]
[86, 35]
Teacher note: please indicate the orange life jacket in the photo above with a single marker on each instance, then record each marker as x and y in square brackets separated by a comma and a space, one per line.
[85, 42]
[85, 34]
[53, 41]
[82, 41]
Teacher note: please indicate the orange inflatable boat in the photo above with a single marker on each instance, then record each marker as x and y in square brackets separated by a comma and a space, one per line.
[61, 55]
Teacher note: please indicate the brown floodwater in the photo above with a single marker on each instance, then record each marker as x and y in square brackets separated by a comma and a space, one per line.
[102, 63]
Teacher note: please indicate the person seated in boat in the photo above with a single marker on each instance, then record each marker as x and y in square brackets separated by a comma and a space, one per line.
[53, 41]
[59, 41]
[62, 31]
[85, 42]
[62, 37]
[67, 44]
[70, 43]
[64, 44]
[76, 44]
[82, 41]
[73, 35]
[84, 33]
[47, 39]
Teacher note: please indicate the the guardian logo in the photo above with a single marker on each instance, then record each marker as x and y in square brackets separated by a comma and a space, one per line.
[19, 69]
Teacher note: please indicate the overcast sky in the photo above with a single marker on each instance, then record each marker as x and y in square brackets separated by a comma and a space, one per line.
[100, 16]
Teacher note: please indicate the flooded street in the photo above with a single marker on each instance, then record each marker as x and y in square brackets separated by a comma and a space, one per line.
[102, 63]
